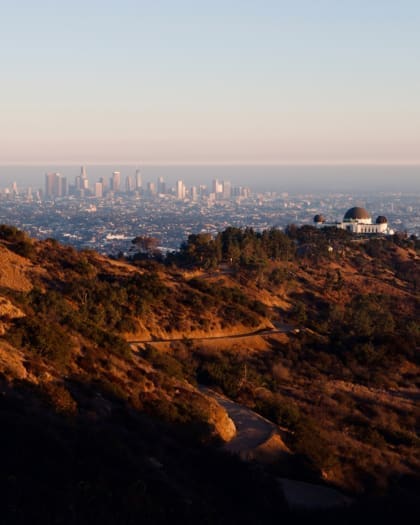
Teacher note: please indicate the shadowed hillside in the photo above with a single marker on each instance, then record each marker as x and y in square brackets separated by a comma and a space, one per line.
[100, 362]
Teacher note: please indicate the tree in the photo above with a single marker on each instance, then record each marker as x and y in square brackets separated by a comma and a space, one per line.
[146, 245]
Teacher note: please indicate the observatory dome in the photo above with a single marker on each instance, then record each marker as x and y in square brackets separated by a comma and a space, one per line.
[356, 213]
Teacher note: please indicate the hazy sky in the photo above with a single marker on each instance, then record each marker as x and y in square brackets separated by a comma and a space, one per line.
[210, 81]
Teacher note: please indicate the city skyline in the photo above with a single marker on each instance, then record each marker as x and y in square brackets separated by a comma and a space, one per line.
[260, 178]
[227, 83]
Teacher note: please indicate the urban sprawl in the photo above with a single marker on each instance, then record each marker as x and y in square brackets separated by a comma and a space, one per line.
[107, 214]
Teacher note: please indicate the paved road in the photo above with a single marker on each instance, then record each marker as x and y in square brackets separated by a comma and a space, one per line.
[280, 329]
[251, 429]
[308, 496]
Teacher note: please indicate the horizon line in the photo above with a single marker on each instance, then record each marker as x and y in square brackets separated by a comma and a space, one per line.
[213, 163]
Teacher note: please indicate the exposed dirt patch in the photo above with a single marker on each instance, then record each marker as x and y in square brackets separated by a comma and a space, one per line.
[12, 362]
[14, 271]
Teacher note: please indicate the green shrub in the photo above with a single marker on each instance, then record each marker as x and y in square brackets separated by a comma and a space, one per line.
[50, 341]
[279, 410]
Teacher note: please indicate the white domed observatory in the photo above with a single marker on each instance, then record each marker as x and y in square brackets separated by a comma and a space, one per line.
[358, 220]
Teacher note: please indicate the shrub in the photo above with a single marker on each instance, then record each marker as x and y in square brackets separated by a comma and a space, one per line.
[279, 411]
[47, 340]
[20, 243]
[60, 398]
[308, 441]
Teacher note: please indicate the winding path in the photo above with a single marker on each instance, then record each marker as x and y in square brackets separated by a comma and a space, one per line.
[280, 329]
[252, 430]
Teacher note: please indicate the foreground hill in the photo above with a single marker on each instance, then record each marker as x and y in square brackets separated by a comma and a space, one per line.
[100, 363]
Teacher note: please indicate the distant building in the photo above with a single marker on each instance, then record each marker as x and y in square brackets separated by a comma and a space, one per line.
[103, 181]
[84, 181]
[129, 184]
[180, 189]
[138, 180]
[161, 186]
[227, 190]
[194, 193]
[99, 190]
[49, 184]
[55, 185]
[319, 219]
[151, 189]
[116, 181]
[358, 220]
[217, 186]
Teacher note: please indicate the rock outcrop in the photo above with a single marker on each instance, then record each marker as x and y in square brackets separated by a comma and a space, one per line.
[8, 311]
[224, 427]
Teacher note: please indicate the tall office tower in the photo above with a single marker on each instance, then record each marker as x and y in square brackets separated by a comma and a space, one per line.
[15, 190]
[116, 181]
[180, 189]
[49, 184]
[194, 193]
[227, 190]
[151, 189]
[161, 186]
[55, 185]
[99, 190]
[84, 182]
[217, 186]
[61, 186]
[129, 184]
[103, 181]
[138, 180]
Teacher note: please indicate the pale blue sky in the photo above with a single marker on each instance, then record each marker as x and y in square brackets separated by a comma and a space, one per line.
[234, 81]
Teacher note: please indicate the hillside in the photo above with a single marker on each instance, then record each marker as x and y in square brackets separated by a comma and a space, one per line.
[101, 360]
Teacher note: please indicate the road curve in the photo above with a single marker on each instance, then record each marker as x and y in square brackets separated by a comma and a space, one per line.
[252, 430]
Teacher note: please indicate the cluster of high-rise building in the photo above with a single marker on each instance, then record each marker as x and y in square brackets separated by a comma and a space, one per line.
[56, 187]
[27, 193]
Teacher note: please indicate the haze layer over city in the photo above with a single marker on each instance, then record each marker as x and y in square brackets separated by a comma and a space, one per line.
[103, 208]
[296, 178]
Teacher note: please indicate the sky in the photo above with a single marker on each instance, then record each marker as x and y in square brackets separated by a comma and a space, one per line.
[246, 82]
